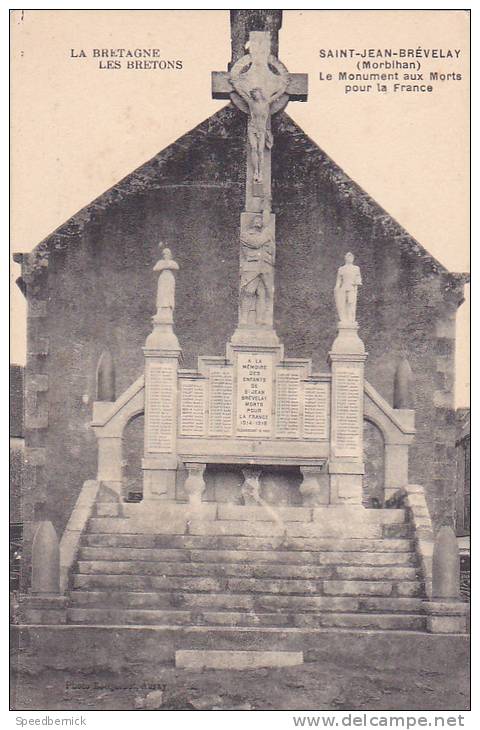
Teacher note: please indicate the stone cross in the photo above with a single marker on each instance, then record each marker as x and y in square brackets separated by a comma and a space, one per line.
[259, 85]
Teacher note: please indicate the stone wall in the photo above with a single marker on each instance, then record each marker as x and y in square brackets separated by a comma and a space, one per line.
[91, 285]
[463, 457]
[17, 444]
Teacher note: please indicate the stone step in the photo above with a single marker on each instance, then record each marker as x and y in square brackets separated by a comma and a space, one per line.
[242, 601]
[216, 570]
[293, 529]
[247, 556]
[125, 525]
[219, 570]
[332, 514]
[220, 584]
[235, 542]
[332, 529]
[342, 572]
[159, 512]
[165, 511]
[254, 513]
[119, 616]
[407, 589]
[191, 601]
[392, 531]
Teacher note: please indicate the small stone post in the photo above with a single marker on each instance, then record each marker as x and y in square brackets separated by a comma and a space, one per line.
[402, 385]
[105, 378]
[45, 560]
[45, 604]
[446, 613]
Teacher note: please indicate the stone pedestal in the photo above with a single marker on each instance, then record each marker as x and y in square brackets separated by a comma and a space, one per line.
[162, 355]
[315, 487]
[396, 465]
[446, 613]
[195, 483]
[44, 609]
[110, 459]
[261, 336]
[346, 467]
[446, 617]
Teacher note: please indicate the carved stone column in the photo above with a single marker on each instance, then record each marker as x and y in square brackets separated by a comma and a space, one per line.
[162, 356]
[347, 361]
[195, 483]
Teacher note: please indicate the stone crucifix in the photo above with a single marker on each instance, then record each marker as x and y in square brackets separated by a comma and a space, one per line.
[259, 85]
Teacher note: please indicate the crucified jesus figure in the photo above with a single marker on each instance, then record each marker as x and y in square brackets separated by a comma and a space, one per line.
[259, 133]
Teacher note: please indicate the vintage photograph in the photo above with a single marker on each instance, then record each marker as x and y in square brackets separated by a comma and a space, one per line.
[239, 390]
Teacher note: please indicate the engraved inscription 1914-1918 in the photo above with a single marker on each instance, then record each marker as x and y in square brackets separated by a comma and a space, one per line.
[254, 394]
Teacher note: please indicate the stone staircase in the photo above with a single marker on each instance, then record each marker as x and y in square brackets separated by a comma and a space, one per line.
[240, 566]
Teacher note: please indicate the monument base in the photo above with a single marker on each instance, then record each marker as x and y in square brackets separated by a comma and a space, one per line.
[159, 478]
[162, 336]
[346, 489]
[255, 335]
[347, 341]
[44, 609]
[446, 617]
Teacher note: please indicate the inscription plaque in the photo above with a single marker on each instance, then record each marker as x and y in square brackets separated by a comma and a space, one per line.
[160, 401]
[315, 410]
[254, 394]
[287, 403]
[348, 412]
[220, 420]
[192, 408]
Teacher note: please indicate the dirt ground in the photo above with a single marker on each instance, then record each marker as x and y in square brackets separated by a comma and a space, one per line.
[313, 686]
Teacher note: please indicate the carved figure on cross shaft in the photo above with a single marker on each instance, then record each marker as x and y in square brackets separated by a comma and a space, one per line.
[256, 271]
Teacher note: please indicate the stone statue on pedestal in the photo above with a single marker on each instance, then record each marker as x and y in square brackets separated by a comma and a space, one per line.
[345, 292]
[166, 286]
[256, 272]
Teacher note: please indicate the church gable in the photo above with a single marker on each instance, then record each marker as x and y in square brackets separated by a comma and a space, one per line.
[297, 157]
[209, 156]
[200, 157]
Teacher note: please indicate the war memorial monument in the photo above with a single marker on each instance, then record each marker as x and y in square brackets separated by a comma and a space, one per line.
[214, 509]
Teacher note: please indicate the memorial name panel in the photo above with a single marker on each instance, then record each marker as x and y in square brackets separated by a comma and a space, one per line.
[192, 407]
[220, 420]
[160, 401]
[287, 403]
[254, 394]
[315, 410]
[348, 412]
